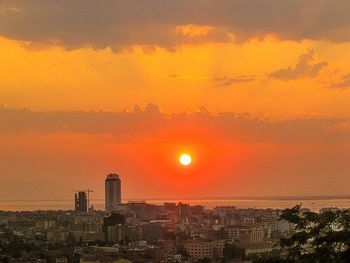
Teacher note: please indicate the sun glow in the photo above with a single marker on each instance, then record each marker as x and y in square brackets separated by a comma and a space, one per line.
[185, 159]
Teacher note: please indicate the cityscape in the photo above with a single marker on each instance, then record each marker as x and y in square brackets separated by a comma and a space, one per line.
[174, 131]
[137, 231]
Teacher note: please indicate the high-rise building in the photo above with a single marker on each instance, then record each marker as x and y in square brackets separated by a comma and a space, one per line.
[112, 192]
[81, 202]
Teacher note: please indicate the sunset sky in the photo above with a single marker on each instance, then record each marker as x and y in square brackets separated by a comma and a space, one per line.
[258, 92]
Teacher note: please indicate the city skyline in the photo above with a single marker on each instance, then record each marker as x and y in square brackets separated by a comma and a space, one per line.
[174, 131]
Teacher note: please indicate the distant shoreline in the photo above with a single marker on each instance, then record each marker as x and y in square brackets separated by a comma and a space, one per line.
[274, 198]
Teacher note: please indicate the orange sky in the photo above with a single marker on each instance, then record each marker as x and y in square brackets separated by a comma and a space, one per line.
[258, 93]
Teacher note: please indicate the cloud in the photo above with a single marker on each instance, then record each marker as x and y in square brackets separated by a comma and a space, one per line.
[194, 30]
[182, 76]
[151, 123]
[343, 83]
[177, 76]
[9, 10]
[168, 23]
[230, 80]
[306, 67]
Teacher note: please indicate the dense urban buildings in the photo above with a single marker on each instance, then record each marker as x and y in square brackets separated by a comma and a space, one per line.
[137, 231]
[112, 192]
[142, 232]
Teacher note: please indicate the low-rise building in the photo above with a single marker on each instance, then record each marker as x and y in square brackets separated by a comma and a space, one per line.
[245, 234]
[198, 249]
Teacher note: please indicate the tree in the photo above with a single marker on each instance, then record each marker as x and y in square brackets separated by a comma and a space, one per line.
[204, 260]
[232, 252]
[323, 237]
[13, 245]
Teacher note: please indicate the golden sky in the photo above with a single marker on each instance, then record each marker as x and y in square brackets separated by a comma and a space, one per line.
[258, 91]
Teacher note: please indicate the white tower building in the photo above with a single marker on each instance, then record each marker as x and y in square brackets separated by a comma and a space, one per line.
[112, 192]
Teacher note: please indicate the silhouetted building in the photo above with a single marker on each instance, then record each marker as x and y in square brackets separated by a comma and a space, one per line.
[112, 192]
[170, 206]
[113, 227]
[81, 202]
[115, 233]
[183, 210]
[152, 232]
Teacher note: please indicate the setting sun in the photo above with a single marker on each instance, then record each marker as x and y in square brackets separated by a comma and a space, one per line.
[185, 159]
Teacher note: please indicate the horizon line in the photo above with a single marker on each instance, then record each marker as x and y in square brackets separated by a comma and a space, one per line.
[268, 197]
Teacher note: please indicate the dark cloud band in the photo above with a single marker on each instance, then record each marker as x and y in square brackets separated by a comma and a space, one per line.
[117, 23]
[149, 121]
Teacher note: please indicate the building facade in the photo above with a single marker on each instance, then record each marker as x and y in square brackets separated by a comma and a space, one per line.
[245, 234]
[112, 192]
[81, 202]
[205, 249]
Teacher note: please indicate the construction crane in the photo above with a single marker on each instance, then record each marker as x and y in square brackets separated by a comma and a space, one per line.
[88, 191]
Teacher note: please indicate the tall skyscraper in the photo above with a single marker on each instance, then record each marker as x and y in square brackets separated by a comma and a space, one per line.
[81, 202]
[112, 192]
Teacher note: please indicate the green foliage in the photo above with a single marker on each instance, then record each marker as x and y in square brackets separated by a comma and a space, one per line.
[182, 251]
[13, 245]
[232, 252]
[204, 260]
[323, 237]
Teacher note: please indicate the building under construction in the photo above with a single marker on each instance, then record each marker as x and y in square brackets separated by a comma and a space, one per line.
[81, 201]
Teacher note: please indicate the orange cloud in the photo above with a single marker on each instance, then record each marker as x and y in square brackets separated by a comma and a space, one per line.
[306, 67]
[192, 30]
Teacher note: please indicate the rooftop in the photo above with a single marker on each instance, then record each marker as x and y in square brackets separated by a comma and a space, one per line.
[112, 176]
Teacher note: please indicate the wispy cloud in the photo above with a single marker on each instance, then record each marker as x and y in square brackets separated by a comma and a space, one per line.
[230, 80]
[10, 10]
[182, 76]
[306, 67]
[177, 76]
[192, 30]
[342, 83]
